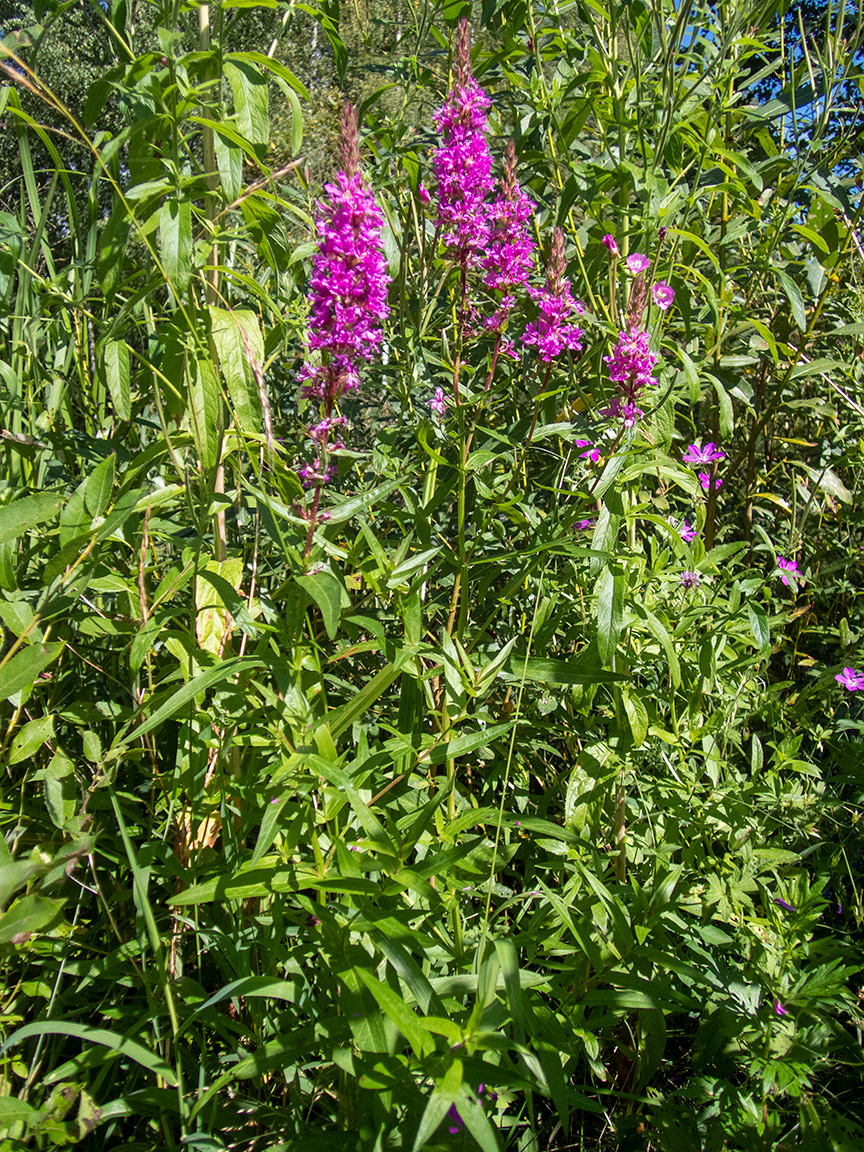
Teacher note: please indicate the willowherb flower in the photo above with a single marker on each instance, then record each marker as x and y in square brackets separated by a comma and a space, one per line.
[663, 295]
[584, 525]
[697, 455]
[630, 368]
[592, 453]
[462, 162]
[554, 330]
[661, 233]
[509, 258]
[779, 1009]
[438, 403]
[788, 572]
[851, 680]
[705, 481]
[690, 579]
[636, 263]
[609, 242]
[684, 530]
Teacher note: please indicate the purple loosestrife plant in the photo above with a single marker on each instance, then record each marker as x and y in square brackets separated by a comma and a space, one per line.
[463, 163]
[348, 297]
[554, 331]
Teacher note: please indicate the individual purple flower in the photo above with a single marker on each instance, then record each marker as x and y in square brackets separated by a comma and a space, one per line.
[851, 680]
[425, 198]
[462, 162]
[438, 403]
[592, 453]
[705, 481]
[690, 580]
[684, 530]
[661, 233]
[630, 368]
[779, 1009]
[584, 525]
[784, 904]
[554, 331]
[789, 573]
[509, 260]
[637, 263]
[697, 455]
[663, 295]
[609, 242]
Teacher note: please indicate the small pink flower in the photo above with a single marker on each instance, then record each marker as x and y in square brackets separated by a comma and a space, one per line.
[663, 295]
[851, 680]
[685, 531]
[789, 572]
[593, 454]
[425, 198]
[609, 242]
[705, 481]
[697, 455]
[637, 263]
[779, 1009]
[584, 525]
[438, 403]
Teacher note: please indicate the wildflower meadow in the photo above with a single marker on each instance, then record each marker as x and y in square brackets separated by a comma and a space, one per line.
[431, 571]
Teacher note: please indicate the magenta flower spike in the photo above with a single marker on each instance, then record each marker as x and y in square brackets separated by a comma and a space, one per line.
[511, 249]
[630, 368]
[851, 680]
[554, 332]
[462, 162]
[348, 298]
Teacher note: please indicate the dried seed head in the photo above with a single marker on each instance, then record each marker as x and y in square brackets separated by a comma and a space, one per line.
[349, 147]
[463, 53]
[557, 264]
[511, 184]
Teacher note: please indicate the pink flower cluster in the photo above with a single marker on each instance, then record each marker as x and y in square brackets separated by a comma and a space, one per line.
[511, 250]
[463, 162]
[630, 368]
[554, 330]
[348, 297]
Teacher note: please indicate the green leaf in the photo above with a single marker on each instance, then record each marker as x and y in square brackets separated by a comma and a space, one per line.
[543, 671]
[14, 1111]
[236, 357]
[793, 295]
[327, 592]
[122, 1044]
[249, 88]
[438, 1105]
[609, 593]
[395, 1008]
[100, 482]
[30, 738]
[239, 666]
[115, 358]
[30, 914]
[17, 518]
[759, 624]
[637, 716]
[19, 674]
[205, 411]
[175, 243]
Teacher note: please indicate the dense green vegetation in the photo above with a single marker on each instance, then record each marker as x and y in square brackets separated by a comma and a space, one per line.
[503, 789]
